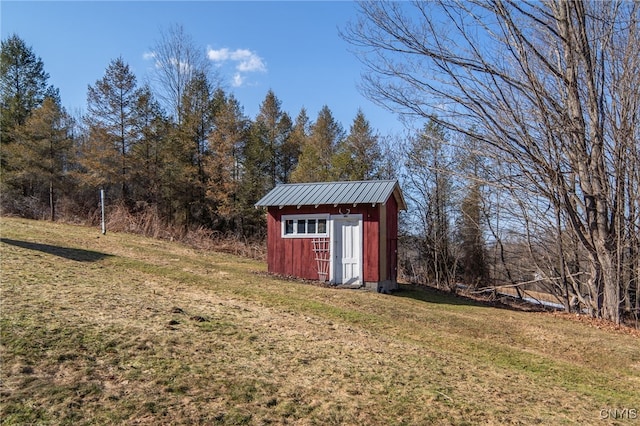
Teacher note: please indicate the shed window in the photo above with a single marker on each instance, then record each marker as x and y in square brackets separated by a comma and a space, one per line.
[303, 226]
[311, 226]
[289, 227]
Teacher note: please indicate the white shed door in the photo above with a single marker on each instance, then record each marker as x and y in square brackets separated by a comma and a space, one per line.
[348, 251]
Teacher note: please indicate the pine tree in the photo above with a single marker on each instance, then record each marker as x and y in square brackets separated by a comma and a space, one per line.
[291, 148]
[315, 162]
[226, 143]
[45, 149]
[23, 89]
[273, 127]
[23, 84]
[148, 155]
[287, 155]
[198, 109]
[358, 156]
[256, 178]
[98, 160]
[111, 119]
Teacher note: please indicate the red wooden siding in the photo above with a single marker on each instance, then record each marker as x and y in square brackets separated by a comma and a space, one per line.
[288, 256]
[294, 256]
[371, 241]
[392, 239]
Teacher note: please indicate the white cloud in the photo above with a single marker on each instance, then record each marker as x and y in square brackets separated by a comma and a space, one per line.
[245, 61]
[218, 55]
[148, 55]
[238, 80]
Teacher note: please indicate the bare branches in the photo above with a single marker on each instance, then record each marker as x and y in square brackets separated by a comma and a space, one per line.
[177, 61]
[547, 87]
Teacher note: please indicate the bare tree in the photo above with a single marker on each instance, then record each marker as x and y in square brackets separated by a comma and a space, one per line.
[177, 61]
[533, 82]
[428, 189]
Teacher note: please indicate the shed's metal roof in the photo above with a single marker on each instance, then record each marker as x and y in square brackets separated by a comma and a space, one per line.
[319, 193]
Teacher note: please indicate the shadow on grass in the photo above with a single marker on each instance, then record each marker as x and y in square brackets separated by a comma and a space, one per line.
[78, 255]
[432, 295]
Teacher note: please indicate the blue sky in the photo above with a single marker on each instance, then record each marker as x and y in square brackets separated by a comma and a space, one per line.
[290, 47]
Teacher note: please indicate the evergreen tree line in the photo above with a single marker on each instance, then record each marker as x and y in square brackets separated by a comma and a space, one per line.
[184, 155]
[187, 157]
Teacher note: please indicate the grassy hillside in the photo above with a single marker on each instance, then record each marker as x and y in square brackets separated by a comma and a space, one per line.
[122, 329]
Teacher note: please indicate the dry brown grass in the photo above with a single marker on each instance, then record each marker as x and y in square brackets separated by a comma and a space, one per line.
[125, 329]
[146, 221]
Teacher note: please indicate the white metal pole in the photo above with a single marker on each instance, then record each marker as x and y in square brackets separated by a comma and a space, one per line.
[104, 225]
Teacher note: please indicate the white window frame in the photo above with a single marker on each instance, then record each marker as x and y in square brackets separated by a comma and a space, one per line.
[295, 217]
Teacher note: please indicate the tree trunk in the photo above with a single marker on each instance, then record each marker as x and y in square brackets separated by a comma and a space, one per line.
[52, 204]
[605, 280]
[562, 263]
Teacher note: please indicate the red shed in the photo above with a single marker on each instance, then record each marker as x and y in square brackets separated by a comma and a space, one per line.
[342, 232]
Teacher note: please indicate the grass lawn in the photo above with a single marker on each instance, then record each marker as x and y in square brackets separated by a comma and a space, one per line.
[124, 329]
